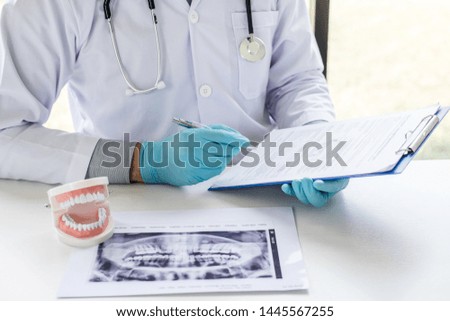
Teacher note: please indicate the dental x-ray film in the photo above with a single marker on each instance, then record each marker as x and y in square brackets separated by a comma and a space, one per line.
[219, 250]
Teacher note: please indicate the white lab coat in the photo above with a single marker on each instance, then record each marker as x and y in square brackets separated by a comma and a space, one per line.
[47, 44]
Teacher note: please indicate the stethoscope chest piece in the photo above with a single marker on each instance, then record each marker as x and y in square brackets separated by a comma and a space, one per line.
[252, 49]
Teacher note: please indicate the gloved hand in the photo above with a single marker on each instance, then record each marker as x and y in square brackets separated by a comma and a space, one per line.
[317, 193]
[190, 156]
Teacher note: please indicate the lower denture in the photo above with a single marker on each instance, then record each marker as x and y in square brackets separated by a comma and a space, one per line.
[84, 229]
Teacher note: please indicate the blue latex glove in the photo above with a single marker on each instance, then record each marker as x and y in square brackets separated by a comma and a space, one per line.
[317, 193]
[209, 152]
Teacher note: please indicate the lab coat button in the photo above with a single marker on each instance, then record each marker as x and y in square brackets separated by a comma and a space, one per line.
[205, 91]
[193, 17]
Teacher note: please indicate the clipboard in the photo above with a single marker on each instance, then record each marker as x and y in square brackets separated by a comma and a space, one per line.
[413, 142]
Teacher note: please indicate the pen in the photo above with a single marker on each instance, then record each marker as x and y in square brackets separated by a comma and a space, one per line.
[188, 123]
[193, 124]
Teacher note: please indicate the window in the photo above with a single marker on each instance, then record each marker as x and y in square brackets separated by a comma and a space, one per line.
[387, 56]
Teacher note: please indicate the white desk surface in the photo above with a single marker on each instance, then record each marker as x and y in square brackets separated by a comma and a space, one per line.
[383, 238]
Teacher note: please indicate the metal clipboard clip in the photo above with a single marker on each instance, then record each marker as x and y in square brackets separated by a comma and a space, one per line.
[426, 125]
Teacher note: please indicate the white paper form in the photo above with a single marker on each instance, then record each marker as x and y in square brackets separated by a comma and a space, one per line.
[369, 145]
[217, 250]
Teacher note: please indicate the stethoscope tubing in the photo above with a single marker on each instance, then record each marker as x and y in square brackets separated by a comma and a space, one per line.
[159, 84]
[248, 7]
[132, 87]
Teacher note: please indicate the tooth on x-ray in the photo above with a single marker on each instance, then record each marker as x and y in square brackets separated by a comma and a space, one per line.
[183, 256]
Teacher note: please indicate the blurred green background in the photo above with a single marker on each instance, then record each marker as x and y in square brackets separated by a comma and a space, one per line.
[388, 56]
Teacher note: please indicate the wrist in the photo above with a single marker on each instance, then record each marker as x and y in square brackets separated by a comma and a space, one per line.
[135, 170]
[149, 157]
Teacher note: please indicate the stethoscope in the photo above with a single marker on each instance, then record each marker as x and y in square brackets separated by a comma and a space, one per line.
[251, 48]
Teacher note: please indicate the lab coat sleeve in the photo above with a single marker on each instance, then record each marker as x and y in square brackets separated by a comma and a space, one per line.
[39, 43]
[297, 90]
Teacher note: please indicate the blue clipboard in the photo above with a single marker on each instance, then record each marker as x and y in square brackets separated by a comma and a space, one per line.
[398, 169]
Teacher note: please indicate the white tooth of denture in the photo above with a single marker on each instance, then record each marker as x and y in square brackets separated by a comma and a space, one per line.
[84, 227]
[101, 197]
[94, 196]
[103, 214]
[67, 218]
[77, 199]
[83, 199]
[89, 197]
[72, 202]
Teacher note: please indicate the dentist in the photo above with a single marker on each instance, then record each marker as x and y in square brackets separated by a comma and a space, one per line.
[131, 66]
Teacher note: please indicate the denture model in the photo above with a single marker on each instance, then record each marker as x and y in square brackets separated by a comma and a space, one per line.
[81, 212]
